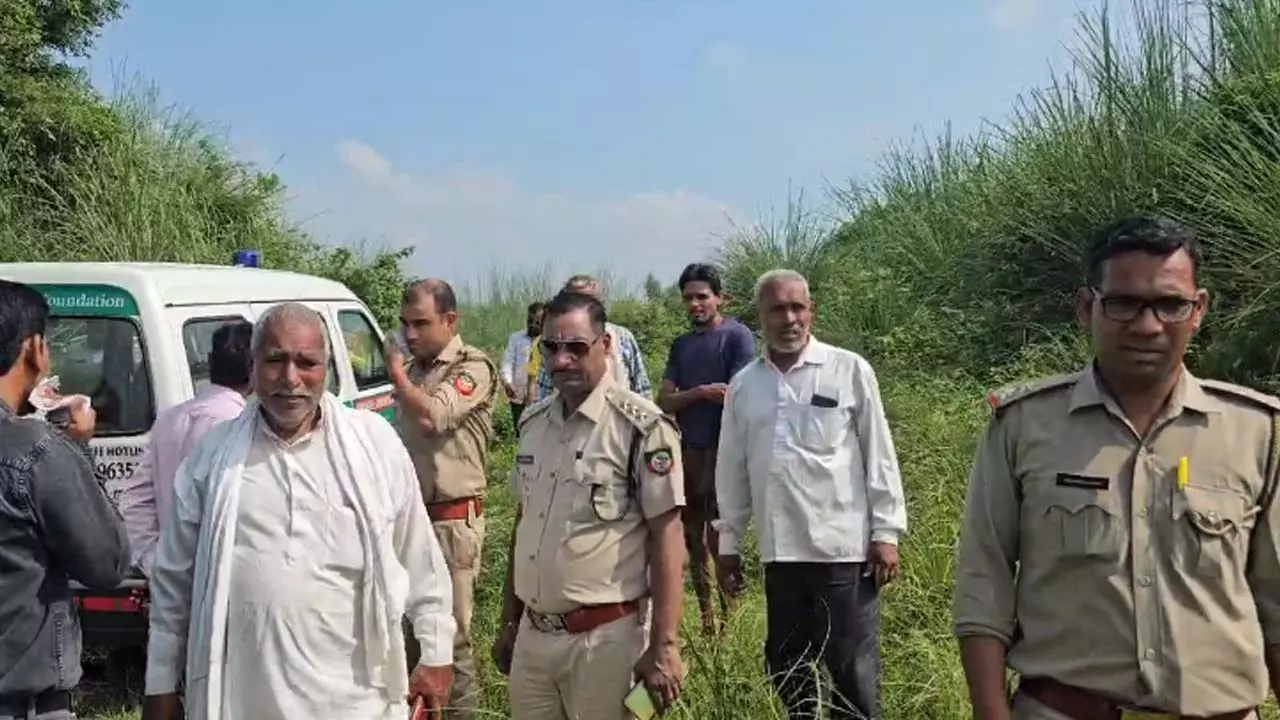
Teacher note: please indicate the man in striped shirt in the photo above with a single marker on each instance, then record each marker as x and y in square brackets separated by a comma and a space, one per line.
[625, 359]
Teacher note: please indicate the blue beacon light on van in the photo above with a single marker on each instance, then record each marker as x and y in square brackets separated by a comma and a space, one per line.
[246, 258]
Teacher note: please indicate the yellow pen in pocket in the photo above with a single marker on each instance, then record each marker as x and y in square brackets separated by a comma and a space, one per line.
[1183, 472]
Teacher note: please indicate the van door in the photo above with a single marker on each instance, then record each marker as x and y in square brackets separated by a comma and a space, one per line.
[367, 359]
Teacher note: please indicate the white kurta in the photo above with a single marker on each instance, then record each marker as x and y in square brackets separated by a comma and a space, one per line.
[298, 575]
[293, 632]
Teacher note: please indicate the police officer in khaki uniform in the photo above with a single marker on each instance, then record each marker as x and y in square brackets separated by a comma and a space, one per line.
[1119, 546]
[445, 417]
[598, 536]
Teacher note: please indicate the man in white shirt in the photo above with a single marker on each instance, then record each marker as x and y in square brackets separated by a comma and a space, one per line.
[805, 448]
[297, 541]
[515, 379]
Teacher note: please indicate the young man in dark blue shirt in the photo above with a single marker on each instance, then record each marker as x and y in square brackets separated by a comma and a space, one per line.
[699, 367]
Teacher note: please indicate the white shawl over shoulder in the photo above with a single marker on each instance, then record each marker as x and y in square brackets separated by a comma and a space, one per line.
[374, 472]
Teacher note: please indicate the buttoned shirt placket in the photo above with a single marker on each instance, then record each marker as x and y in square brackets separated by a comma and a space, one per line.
[1149, 510]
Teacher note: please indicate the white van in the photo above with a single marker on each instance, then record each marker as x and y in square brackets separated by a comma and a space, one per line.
[135, 338]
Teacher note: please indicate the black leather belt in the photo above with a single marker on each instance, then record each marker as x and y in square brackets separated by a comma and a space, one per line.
[45, 702]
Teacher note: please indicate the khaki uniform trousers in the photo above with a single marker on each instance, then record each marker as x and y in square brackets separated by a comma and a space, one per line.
[461, 542]
[1027, 708]
[576, 677]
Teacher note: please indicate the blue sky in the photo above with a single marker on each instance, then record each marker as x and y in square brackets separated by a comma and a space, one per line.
[581, 134]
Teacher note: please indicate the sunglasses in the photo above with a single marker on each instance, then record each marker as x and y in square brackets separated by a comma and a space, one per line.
[577, 348]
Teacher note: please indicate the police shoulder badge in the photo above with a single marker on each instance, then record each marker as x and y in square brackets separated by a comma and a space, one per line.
[658, 461]
[464, 383]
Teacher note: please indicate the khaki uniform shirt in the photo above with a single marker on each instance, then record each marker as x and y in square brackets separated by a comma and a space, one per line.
[1083, 552]
[463, 383]
[582, 538]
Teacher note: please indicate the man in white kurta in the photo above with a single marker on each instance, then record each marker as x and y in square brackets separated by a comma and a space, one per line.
[303, 636]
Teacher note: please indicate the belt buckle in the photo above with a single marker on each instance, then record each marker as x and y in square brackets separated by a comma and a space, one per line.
[551, 624]
[1126, 714]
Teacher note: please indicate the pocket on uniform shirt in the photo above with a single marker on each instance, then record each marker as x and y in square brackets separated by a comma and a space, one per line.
[1087, 524]
[1211, 527]
[345, 549]
[599, 494]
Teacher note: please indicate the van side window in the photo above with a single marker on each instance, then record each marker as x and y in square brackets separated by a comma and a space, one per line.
[104, 358]
[197, 340]
[368, 361]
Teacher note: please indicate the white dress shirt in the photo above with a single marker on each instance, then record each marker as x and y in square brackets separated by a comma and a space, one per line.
[808, 453]
[515, 360]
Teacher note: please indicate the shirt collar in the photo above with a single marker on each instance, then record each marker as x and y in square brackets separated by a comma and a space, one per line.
[814, 353]
[1189, 393]
[450, 351]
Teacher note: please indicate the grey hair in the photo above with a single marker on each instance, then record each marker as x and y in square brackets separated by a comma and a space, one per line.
[585, 282]
[777, 277]
[293, 312]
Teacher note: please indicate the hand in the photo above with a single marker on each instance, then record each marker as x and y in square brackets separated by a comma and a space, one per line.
[511, 392]
[713, 392]
[395, 363]
[432, 684]
[162, 707]
[729, 573]
[83, 420]
[663, 674]
[504, 647]
[884, 562]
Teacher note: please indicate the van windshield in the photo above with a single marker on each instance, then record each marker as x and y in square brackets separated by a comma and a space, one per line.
[103, 358]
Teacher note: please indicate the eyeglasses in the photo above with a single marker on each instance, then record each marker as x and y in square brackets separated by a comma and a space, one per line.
[577, 348]
[1126, 308]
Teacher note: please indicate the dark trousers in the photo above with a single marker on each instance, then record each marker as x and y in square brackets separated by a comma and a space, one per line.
[827, 611]
[516, 409]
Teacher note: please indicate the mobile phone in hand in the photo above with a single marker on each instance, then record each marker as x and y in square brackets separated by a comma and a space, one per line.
[640, 702]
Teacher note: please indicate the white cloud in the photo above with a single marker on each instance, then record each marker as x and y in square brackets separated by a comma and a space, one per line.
[464, 221]
[1009, 15]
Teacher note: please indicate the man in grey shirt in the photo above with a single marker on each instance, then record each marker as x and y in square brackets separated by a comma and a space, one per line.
[55, 522]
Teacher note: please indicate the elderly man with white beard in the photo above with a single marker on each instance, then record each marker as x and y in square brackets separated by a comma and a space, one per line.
[806, 450]
[297, 541]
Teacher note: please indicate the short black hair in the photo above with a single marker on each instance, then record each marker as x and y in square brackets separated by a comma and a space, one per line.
[231, 355]
[700, 272]
[568, 301]
[1150, 234]
[24, 313]
[535, 307]
[440, 291]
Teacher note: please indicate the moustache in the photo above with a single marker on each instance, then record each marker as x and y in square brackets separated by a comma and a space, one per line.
[283, 395]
